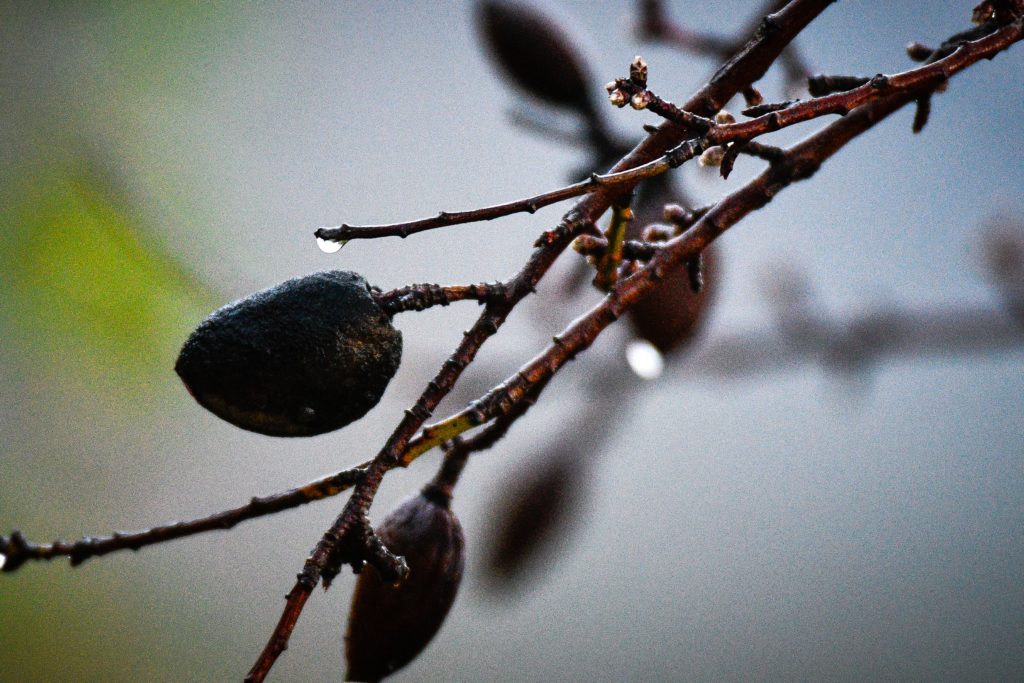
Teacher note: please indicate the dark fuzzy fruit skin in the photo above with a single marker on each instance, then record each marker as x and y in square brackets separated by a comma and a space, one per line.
[389, 625]
[672, 314]
[307, 356]
[535, 54]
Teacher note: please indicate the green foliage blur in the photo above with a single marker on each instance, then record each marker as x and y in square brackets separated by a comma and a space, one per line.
[87, 287]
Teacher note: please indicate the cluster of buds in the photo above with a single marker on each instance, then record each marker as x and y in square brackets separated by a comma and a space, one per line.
[619, 90]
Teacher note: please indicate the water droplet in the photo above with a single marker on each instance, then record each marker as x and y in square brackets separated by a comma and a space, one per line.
[329, 246]
[645, 360]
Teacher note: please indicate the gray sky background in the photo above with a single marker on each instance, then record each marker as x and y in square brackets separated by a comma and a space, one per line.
[797, 525]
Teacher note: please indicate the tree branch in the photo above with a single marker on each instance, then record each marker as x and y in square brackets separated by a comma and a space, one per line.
[773, 35]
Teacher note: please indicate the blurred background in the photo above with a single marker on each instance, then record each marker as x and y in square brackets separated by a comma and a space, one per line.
[804, 519]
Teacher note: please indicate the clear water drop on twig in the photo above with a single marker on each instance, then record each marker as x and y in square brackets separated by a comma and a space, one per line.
[329, 246]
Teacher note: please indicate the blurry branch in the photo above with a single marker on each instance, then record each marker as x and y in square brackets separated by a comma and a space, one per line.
[543, 128]
[856, 343]
[536, 505]
[1003, 245]
[655, 25]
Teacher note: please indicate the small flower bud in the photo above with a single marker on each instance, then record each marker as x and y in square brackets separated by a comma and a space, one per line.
[610, 86]
[618, 98]
[655, 232]
[677, 215]
[918, 51]
[712, 156]
[724, 118]
[389, 625]
[983, 12]
[638, 71]
[641, 100]
[753, 96]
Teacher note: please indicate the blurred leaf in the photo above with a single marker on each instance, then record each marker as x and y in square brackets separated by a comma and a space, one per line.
[82, 289]
[533, 516]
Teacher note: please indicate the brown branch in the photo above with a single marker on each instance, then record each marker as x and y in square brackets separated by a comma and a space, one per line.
[656, 25]
[897, 88]
[323, 561]
[595, 183]
[18, 550]
[854, 344]
[920, 79]
[750, 64]
[423, 296]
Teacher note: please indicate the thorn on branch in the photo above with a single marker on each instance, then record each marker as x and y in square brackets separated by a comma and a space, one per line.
[392, 568]
[921, 112]
[729, 158]
[769, 153]
[769, 25]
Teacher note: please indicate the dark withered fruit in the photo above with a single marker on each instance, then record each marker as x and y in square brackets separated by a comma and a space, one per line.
[673, 313]
[307, 356]
[536, 54]
[533, 513]
[389, 625]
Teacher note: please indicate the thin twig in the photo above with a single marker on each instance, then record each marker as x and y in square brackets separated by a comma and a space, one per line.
[927, 77]
[656, 25]
[422, 296]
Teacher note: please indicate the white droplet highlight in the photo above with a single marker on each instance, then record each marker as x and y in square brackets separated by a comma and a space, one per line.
[645, 360]
[329, 246]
